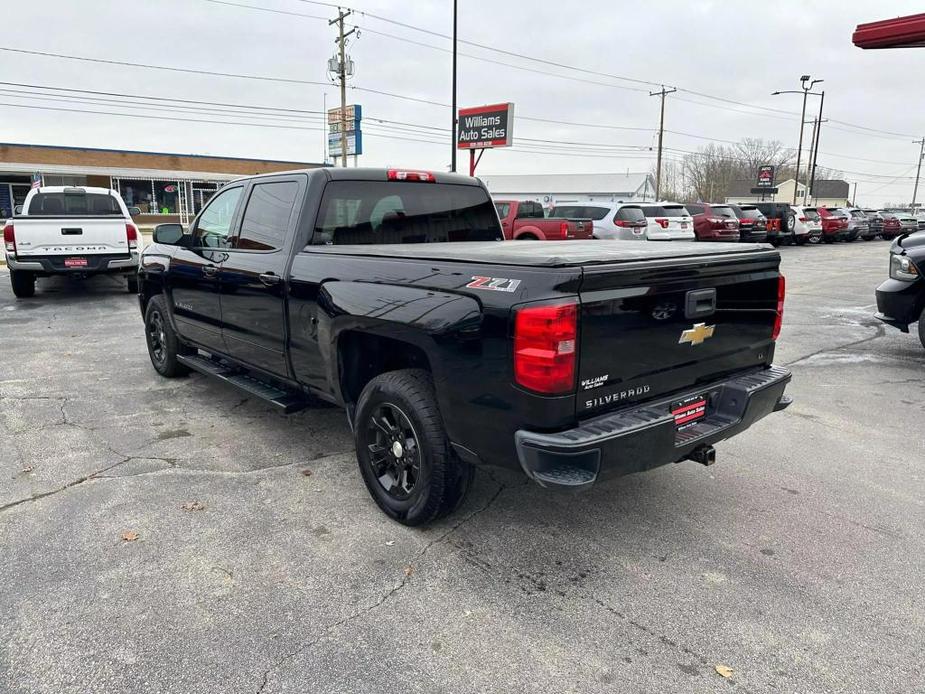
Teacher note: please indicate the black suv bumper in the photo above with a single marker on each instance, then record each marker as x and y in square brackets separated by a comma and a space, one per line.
[900, 303]
[647, 436]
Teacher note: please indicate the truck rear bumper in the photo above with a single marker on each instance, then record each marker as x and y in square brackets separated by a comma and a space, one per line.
[647, 436]
[96, 264]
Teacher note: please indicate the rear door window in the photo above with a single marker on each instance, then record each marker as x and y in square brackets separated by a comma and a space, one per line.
[504, 209]
[77, 203]
[393, 212]
[266, 217]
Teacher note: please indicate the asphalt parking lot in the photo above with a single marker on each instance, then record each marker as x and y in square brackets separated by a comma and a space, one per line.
[175, 536]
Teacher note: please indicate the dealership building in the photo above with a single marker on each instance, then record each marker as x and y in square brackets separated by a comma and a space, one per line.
[560, 189]
[164, 187]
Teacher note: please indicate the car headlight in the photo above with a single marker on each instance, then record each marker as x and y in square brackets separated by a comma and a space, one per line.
[903, 269]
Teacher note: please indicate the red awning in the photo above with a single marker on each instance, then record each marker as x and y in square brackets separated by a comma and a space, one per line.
[901, 32]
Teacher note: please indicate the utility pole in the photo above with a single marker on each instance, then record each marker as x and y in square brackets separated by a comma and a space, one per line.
[661, 131]
[854, 196]
[918, 170]
[342, 76]
[453, 115]
[812, 161]
[819, 121]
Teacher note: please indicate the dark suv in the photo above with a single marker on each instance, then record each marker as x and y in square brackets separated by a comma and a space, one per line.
[753, 226]
[714, 222]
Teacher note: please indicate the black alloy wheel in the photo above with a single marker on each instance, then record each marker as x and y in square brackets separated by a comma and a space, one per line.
[157, 338]
[394, 451]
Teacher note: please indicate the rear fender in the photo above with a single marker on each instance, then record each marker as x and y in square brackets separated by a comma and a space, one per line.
[445, 326]
[535, 231]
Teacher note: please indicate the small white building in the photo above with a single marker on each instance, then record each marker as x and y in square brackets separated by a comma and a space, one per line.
[825, 193]
[559, 189]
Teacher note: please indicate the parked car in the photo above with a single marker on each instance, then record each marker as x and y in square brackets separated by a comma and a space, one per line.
[806, 224]
[907, 221]
[526, 221]
[70, 231]
[373, 311]
[875, 219]
[834, 224]
[714, 222]
[613, 221]
[919, 215]
[858, 224]
[892, 227]
[780, 221]
[668, 221]
[753, 225]
[901, 298]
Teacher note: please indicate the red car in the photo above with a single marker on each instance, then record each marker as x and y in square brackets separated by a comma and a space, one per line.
[834, 225]
[526, 221]
[714, 222]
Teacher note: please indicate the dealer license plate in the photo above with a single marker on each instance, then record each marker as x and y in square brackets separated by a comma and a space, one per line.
[689, 410]
[75, 262]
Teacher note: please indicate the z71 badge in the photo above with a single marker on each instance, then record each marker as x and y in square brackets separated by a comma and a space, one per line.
[495, 284]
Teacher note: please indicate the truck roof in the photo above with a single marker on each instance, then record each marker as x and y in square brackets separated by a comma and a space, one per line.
[549, 253]
[370, 174]
[82, 189]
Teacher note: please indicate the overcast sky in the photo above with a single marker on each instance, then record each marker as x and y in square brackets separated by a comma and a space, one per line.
[734, 50]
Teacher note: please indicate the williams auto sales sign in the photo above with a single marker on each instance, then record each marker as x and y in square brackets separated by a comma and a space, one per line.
[483, 127]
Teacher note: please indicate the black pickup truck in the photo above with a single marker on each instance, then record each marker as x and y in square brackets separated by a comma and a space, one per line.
[901, 298]
[392, 294]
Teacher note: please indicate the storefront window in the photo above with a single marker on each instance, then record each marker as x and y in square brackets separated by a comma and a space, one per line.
[166, 196]
[138, 193]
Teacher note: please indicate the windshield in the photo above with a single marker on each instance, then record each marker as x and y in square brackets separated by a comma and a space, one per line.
[579, 212]
[503, 208]
[723, 211]
[654, 211]
[811, 214]
[75, 203]
[750, 213]
[631, 214]
[364, 212]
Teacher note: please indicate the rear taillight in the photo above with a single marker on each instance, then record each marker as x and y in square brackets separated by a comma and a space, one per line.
[545, 344]
[9, 238]
[563, 228]
[662, 222]
[131, 235]
[420, 176]
[779, 318]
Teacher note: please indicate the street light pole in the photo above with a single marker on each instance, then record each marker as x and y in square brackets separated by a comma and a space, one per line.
[453, 115]
[806, 92]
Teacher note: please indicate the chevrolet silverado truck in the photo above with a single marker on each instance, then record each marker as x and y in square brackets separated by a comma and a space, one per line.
[901, 298]
[70, 231]
[525, 221]
[391, 294]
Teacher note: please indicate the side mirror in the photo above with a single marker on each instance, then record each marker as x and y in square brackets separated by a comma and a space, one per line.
[17, 209]
[134, 211]
[169, 234]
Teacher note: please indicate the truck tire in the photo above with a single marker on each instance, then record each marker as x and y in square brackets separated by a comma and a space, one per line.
[131, 284]
[406, 460]
[922, 329]
[23, 283]
[163, 345]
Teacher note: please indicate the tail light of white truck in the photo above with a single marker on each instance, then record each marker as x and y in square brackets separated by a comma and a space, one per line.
[9, 238]
[131, 236]
[545, 347]
[779, 319]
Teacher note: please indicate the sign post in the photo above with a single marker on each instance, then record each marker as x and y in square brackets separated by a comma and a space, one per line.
[484, 127]
[353, 117]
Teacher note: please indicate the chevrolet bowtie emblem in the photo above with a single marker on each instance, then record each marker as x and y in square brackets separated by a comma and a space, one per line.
[697, 334]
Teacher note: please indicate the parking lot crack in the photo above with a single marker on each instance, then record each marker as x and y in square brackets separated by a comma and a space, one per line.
[73, 483]
[385, 597]
[881, 331]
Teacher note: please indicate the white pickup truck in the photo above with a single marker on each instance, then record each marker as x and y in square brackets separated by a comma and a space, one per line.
[70, 231]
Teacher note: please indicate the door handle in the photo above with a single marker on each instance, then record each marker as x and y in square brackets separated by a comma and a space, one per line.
[270, 278]
[209, 270]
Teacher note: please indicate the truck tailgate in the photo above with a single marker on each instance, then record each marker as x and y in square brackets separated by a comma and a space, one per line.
[648, 329]
[57, 236]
